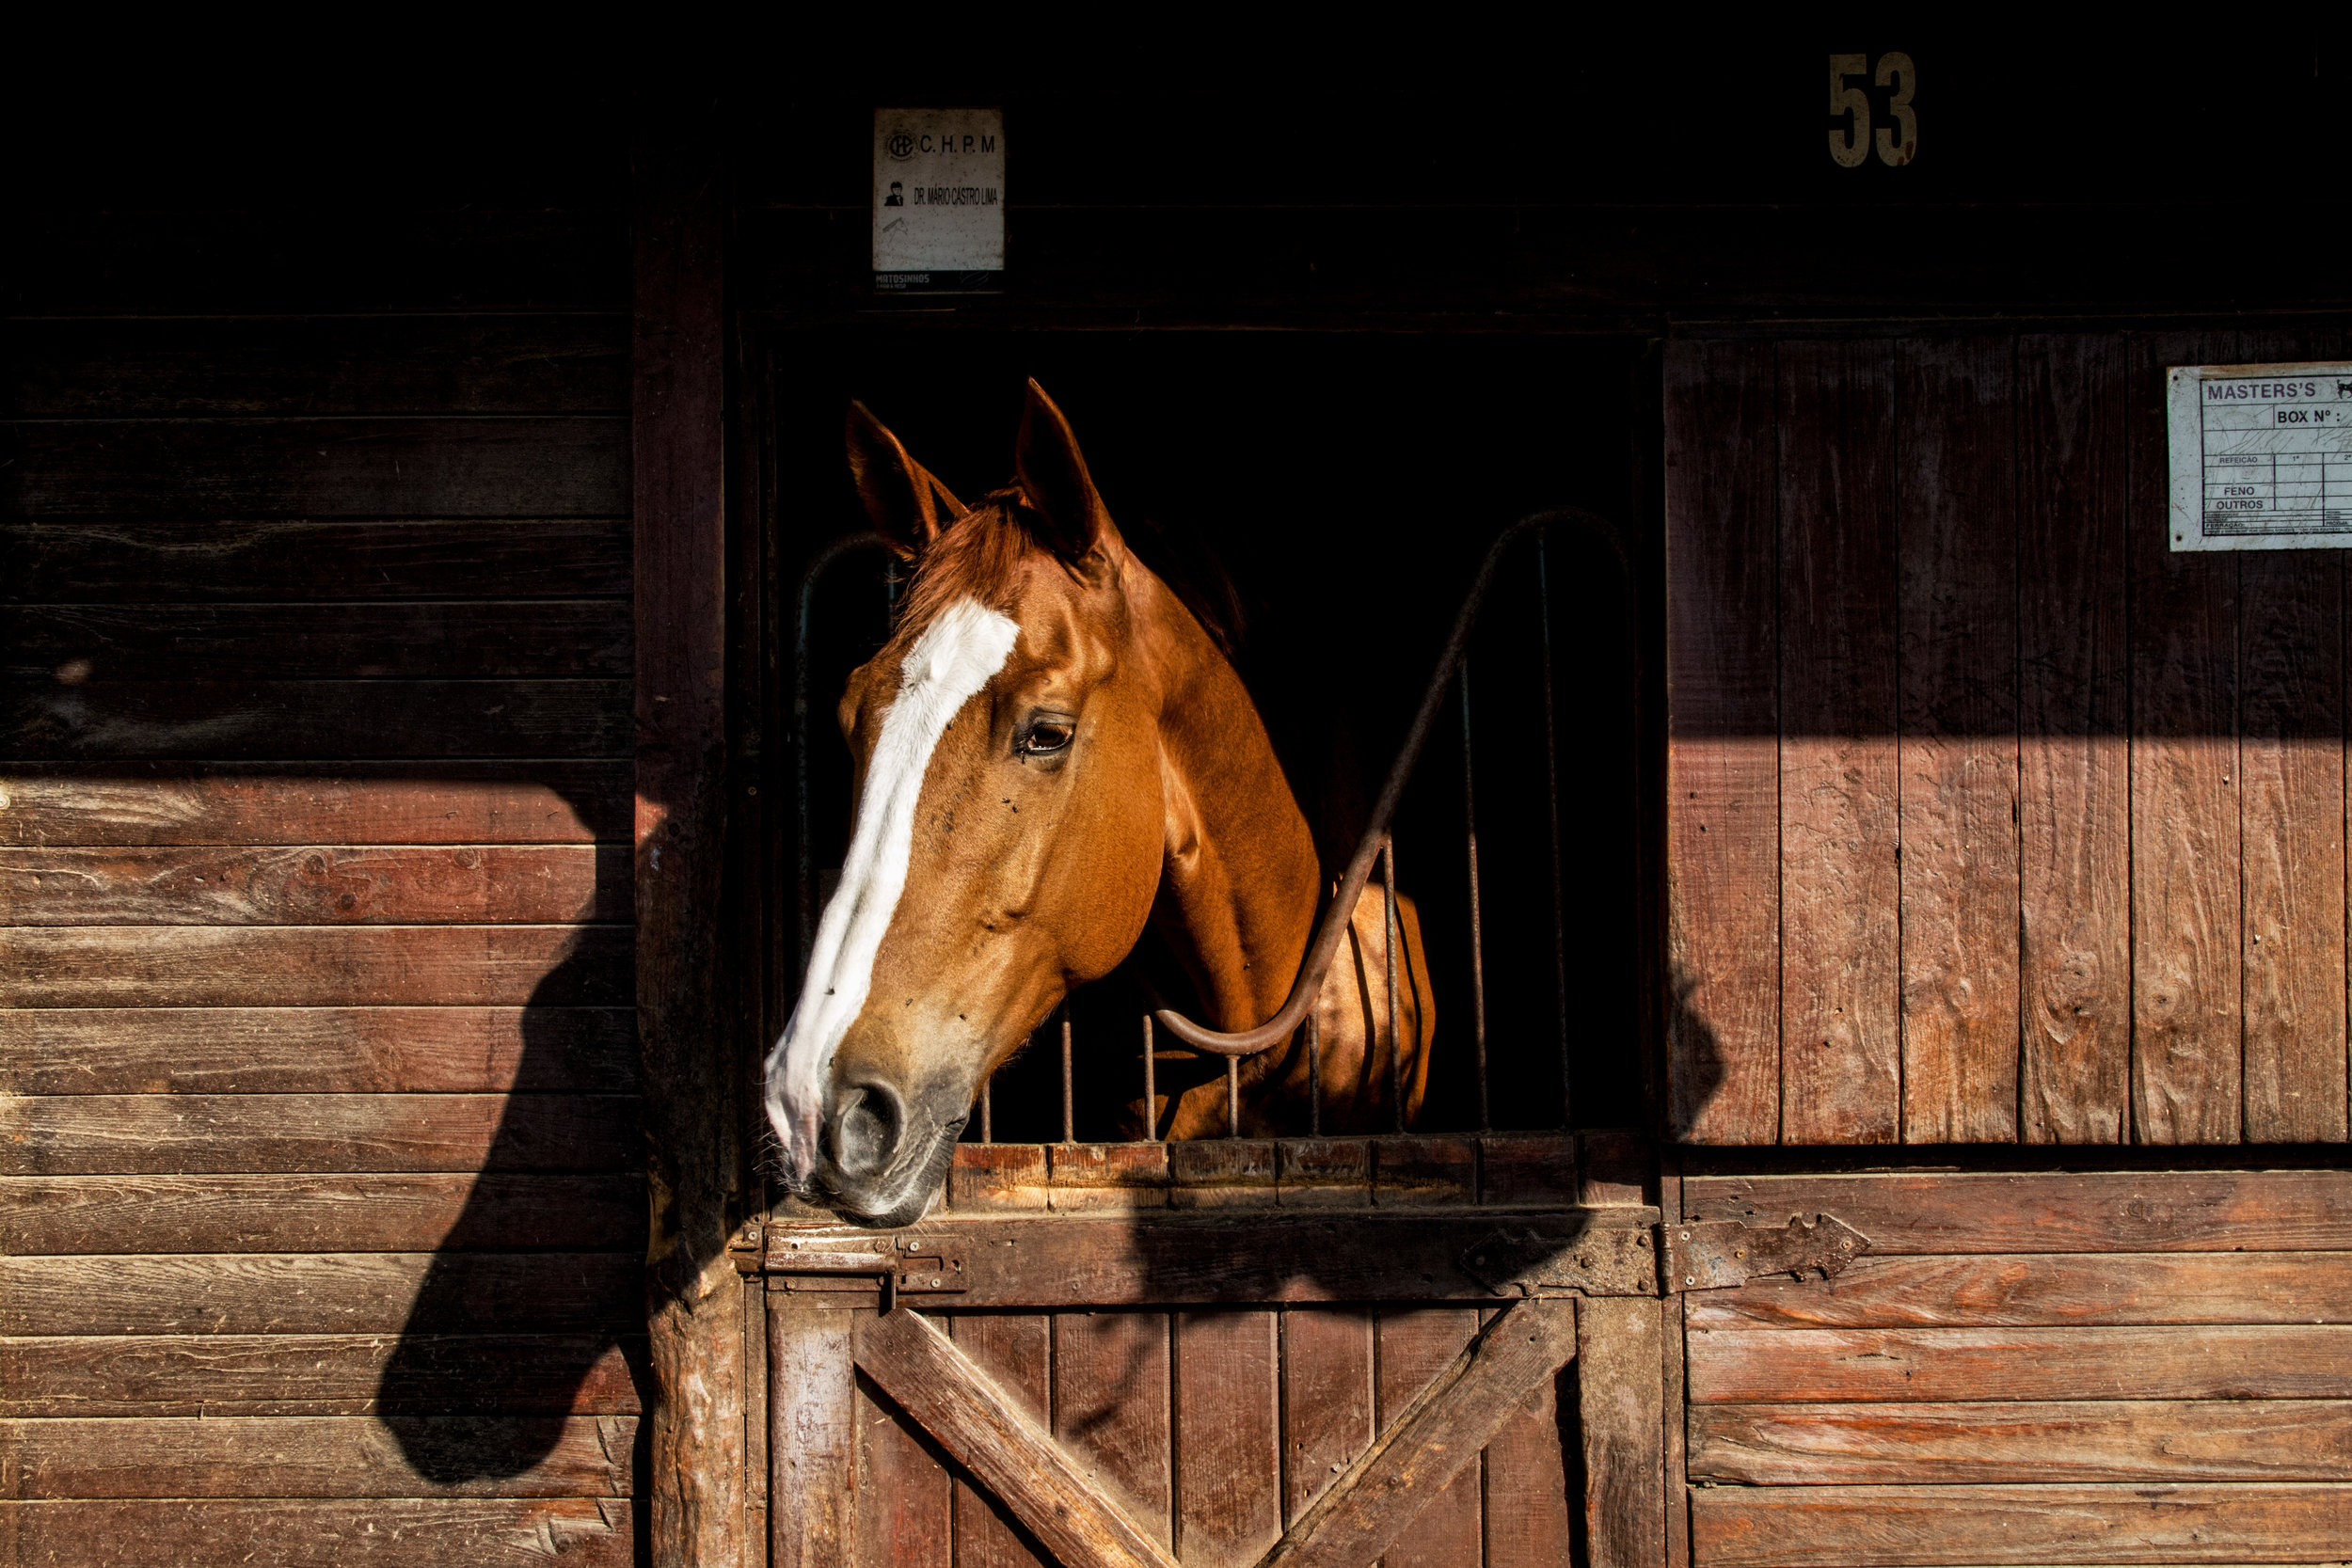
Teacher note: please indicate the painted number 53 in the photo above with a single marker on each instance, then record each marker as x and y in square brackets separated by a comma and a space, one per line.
[1850, 144]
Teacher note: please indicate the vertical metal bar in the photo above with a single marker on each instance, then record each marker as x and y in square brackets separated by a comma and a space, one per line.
[1232, 1097]
[1151, 1089]
[1477, 927]
[1068, 1100]
[1388, 944]
[988, 1111]
[1552, 776]
[1315, 1077]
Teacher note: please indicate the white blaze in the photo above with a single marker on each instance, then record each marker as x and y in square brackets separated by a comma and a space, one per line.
[958, 653]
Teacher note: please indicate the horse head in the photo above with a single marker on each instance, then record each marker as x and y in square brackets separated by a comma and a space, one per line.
[1041, 751]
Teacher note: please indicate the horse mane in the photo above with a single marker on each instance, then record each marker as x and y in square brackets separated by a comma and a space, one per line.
[976, 556]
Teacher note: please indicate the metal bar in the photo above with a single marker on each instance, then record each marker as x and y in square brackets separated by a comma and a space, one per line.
[1315, 1077]
[1232, 1097]
[988, 1111]
[818, 565]
[1151, 1090]
[1552, 776]
[1477, 928]
[1068, 1101]
[1387, 949]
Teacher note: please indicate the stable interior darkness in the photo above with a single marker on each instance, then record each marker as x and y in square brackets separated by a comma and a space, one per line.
[1349, 484]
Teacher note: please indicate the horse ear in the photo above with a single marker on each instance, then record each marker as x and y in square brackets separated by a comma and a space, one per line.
[1045, 456]
[906, 503]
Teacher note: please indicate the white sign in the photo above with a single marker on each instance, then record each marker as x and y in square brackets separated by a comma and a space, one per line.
[939, 200]
[2262, 456]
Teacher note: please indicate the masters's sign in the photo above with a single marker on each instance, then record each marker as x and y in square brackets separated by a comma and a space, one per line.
[2262, 456]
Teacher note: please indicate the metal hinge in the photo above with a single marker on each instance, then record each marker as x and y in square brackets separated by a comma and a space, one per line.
[1587, 1260]
[1719, 1255]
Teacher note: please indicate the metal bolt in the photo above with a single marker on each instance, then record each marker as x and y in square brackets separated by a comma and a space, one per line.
[1690, 1279]
[1846, 1243]
[1739, 1252]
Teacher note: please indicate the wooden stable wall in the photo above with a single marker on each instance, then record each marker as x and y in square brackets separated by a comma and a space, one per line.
[1990, 819]
[322, 1229]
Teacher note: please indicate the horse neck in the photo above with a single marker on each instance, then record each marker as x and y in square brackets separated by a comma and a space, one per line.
[1240, 881]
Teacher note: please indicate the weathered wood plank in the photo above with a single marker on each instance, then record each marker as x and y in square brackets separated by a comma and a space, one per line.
[811, 1437]
[1957, 717]
[1818, 1526]
[320, 1457]
[2046, 1291]
[2073, 760]
[82, 1216]
[551, 363]
[384, 803]
[2187, 896]
[1621, 1417]
[1956, 1211]
[1431, 1441]
[1111, 1408]
[317, 1050]
[1723, 815]
[307, 720]
[315, 886]
[467, 639]
[1840, 980]
[988, 1433]
[905, 1497]
[1412, 1349]
[104, 1135]
[342, 1293]
[305, 1375]
[1326, 1400]
[385, 1533]
[1528, 1493]
[1907, 1365]
[562, 466]
[1015, 1350]
[2163, 1443]
[295, 966]
[244, 561]
[1228, 1502]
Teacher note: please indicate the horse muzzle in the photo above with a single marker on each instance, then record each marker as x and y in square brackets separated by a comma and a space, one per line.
[881, 1156]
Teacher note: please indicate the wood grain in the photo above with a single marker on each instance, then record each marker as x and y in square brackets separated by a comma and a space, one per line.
[1016, 1351]
[1228, 1460]
[1829, 1365]
[373, 640]
[1948, 1212]
[1840, 962]
[2186, 932]
[307, 720]
[2045, 1289]
[1328, 1400]
[1413, 1348]
[2149, 1442]
[1111, 1408]
[1621, 1420]
[542, 363]
[317, 885]
[1820, 1526]
[1723, 816]
[1957, 749]
[246, 560]
[306, 1374]
[52, 1051]
[2074, 760]
[986, 1431]
[905, 1496]
[340, 1292]
[320, 1457]
[196, 966]
[427, 1532]
[306, 1212]
[1528, 1490]
[812, 1438]
[562, 466]
[384, 803]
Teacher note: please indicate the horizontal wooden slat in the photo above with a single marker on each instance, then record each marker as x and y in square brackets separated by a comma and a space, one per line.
[565, 465]
[304, 966]
[318, 1374]
[338, 1292]
[568, 363]
[64, 562]
[2157, 1442]
[300, 720]
[317, 1050]
[104, 1135]
[2045, 1289]
[386, 802]
[321, 1456]
[1773, 1365]
[1735, 1527]
[404, 1532]
[314, 885]
[1968, 1212]
[404, 639]
[309, 1212]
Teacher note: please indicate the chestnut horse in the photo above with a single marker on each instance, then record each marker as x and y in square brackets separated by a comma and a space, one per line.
[1051, 751]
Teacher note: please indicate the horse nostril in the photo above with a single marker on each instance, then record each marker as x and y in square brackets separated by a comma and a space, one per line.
[864, 1133]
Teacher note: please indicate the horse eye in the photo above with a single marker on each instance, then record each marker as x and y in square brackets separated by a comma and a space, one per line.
[1047, 734]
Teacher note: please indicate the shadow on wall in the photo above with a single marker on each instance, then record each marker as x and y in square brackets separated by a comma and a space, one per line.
[1694, 1061]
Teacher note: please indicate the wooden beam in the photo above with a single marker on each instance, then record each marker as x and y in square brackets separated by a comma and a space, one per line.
[696, 1430]
[1620, 1395]
[1432, 1439]
[987, 1432]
